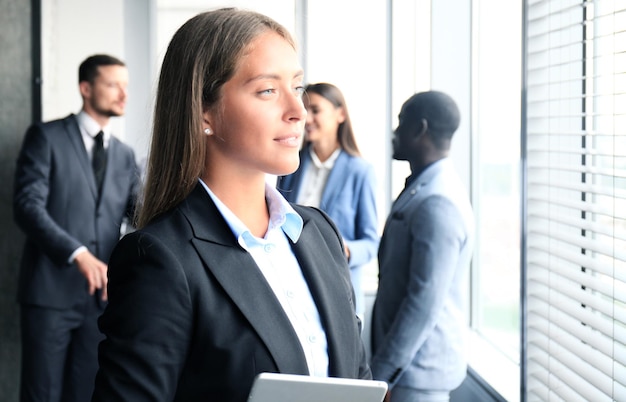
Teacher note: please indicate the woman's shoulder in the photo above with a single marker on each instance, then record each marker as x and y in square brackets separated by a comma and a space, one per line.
[168, 225]
[356, 166]
[308, 213]
[320, 219]
[356, 161]
[314, 214]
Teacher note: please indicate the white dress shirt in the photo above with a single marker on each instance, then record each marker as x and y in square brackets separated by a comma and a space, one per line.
[89, 128]
[274, 257]
[314, 179]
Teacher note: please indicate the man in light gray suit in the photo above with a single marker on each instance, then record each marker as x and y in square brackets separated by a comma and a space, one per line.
[74, 185]
[419, 316]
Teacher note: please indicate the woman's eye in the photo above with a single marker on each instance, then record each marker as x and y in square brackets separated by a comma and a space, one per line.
[267, 91]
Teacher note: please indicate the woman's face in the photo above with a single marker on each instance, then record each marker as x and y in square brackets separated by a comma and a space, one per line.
[259, 121]
[323, 118]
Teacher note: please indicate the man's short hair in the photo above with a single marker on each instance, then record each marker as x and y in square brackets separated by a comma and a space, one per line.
[88, 70]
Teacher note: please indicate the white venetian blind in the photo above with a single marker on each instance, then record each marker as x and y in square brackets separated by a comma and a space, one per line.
[576, 201]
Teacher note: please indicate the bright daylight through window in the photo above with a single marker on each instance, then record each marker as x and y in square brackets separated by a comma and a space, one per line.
[576, 210]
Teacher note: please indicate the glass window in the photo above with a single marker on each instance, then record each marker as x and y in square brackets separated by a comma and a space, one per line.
[496, 177]
[496, 121]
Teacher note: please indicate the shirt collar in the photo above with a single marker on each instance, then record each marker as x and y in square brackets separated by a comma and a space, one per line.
[328, 163]
[414, 175]
[91, 127]
[282, 214]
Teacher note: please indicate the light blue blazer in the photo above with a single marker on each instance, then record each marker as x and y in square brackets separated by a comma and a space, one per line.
[349, 199]
[419, 320]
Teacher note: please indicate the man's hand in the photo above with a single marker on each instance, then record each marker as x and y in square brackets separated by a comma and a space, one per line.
[94, 270]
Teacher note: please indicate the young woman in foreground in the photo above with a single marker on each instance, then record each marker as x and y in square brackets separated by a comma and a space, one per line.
[224, 279]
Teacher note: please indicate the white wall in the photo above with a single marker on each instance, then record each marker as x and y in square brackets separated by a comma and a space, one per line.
[72, 30]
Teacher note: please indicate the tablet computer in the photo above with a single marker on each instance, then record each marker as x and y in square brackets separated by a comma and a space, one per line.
[275, 387]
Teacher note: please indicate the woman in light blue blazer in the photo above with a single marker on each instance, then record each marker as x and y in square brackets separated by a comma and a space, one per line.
[335, 178]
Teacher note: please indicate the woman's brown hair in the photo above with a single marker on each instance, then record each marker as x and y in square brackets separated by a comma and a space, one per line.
[202, 55]
[345, 134]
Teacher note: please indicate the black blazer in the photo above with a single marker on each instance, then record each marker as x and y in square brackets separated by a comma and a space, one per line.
[191, 317]
[56, 204]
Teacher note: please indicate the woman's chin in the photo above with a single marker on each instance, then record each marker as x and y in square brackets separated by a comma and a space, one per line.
[288, 167]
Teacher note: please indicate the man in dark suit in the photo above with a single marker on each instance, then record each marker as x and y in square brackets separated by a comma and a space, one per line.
[419, 316]
[75, 184]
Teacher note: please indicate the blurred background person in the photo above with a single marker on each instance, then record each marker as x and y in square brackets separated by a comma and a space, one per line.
[335, 178]
[75, 184]
[419, 319]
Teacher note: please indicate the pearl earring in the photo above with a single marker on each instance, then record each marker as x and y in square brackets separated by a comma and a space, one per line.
[208, 131]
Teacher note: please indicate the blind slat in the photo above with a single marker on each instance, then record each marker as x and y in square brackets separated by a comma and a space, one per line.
[582, 260]
[612, 289]
[617, 230]
[598, 349]
[582, 242]
[574, 204]
[597, 368]
[540, 181]
[559, 303]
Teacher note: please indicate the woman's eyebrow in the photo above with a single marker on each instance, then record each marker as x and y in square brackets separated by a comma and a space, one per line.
[272, 76]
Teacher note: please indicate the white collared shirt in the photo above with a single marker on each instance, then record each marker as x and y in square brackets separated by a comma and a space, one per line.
[314, 179]
[89, 128]
[274, 257]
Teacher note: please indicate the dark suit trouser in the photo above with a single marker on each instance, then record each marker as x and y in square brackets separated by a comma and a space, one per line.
[59, 352]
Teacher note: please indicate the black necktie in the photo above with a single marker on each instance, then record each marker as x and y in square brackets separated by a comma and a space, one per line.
[99, 159]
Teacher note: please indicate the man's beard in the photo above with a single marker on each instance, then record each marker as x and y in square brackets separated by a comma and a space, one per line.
[112, 113]
[108, 112]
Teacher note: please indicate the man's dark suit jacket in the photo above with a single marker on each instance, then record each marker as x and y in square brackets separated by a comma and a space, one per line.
[56, 204]
[191, 317]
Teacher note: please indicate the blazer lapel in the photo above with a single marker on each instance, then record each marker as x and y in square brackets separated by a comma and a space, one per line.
[325, 285]
[76, 140]
[244, 283]
[403, 199]
[422, 181]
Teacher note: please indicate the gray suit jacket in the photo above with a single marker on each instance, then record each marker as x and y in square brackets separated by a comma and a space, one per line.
[192, 318]
[56, 204]
[419, 316]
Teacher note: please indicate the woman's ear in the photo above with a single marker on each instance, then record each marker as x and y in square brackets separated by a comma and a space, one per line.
[207, 118]
[341, 115]
[207, 128]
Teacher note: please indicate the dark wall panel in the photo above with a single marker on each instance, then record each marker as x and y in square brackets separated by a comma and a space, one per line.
[15, 116]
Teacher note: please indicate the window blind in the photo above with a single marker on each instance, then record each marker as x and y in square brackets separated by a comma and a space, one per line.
[575, 193]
